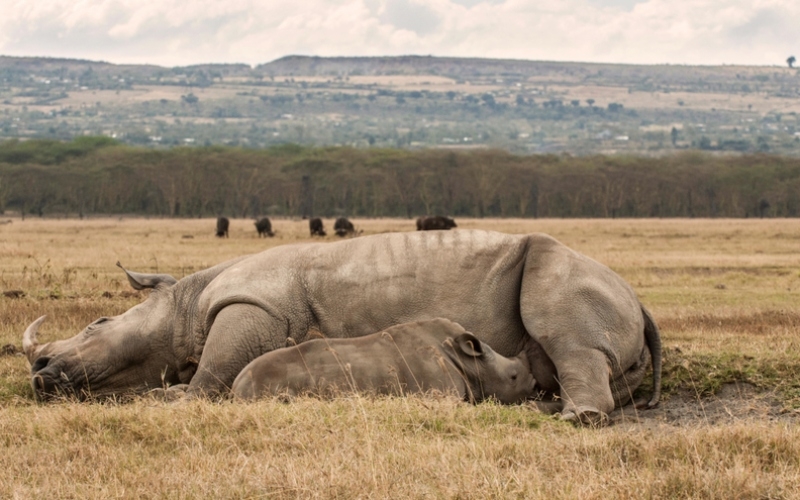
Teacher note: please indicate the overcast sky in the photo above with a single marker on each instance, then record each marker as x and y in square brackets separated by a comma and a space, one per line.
[182, 32]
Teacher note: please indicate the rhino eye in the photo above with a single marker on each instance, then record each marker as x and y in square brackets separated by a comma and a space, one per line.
[514, 377]
[98, 322]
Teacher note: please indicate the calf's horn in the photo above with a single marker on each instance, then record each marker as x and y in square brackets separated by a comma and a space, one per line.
[29, 343]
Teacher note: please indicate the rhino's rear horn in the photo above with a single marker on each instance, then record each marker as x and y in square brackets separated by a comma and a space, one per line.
[140, 281]
[30, 345]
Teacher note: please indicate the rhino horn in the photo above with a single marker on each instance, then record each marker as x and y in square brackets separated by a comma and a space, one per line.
[140, 281]
[30, 345]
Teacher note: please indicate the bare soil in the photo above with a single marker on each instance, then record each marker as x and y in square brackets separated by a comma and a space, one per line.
[733, 403]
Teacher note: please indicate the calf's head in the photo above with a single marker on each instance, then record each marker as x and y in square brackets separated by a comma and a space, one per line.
[113, 355]
[489, 374]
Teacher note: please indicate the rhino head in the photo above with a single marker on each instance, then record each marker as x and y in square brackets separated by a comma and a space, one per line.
[126, 353]
[488, 374]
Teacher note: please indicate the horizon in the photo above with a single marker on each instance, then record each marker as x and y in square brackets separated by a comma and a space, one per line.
[175, 33]
[397, 56]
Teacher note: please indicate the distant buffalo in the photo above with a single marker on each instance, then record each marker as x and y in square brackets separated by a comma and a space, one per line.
[343, 227]
[315, 227]
[222, 227]
[435, 222]
[264, 227]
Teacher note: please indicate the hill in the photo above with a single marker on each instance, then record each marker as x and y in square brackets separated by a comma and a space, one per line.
[408, 101]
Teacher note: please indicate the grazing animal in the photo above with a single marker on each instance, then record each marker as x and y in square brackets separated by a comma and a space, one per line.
[315, 227]
[343, 227]
[423, 356]
[222, 227]
[435, 222]
[264, 227]
[587, 337]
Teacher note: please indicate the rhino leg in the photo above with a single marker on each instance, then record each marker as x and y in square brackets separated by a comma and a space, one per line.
[585, 387]
[240, 333]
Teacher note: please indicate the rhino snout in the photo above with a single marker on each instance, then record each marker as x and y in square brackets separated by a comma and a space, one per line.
[48, 380]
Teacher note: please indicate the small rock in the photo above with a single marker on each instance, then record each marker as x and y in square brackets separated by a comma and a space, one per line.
[188, 236]
[107, 295]
[14, 294]
[720, 286]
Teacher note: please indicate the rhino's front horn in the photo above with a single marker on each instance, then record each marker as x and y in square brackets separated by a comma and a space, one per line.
[140, 281]
[30, 346]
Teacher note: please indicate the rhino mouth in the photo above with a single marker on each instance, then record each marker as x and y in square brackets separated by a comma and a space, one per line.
[51, 383]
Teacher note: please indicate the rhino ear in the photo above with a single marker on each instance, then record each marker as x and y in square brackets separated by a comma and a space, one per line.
[140, 281]
[469, 345]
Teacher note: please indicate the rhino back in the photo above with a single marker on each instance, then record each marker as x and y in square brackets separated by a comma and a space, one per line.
[356, 287]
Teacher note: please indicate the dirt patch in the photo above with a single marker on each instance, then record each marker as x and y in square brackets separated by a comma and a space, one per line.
[733, 403]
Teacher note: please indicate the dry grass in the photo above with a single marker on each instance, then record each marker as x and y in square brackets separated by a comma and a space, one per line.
[377, 448]
[723, 291]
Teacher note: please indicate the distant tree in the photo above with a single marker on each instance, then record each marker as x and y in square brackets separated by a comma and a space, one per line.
[615, 107]
[590, 102]
[790, 61]
[190, 99]
[674, 136]
[575, 102]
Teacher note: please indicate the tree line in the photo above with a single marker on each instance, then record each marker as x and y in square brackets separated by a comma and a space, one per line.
[99, 176]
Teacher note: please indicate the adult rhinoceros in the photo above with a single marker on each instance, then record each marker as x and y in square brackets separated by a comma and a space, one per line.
[585, 333]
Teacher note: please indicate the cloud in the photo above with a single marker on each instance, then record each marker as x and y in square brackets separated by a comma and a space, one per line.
[407, 15]
[177, 32]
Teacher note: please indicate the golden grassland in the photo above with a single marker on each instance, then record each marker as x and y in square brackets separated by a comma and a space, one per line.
[724, 293]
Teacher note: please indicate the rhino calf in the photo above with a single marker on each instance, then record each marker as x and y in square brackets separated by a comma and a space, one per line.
[424, 356]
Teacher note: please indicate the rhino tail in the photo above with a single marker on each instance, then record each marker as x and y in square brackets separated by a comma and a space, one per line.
[653, 338]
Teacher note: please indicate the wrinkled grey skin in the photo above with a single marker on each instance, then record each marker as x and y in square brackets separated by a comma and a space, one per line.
[585, 333]
[424, 356]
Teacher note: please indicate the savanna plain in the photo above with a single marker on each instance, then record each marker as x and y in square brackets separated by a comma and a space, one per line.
[724, 293]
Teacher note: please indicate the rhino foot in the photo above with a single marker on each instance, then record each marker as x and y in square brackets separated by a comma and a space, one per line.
[586, 416]
[171, 394]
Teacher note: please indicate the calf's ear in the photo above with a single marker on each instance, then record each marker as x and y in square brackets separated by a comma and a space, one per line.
[469, 345]
[140, 281]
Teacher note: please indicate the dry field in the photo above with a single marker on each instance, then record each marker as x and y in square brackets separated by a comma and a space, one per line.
[724, 293]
